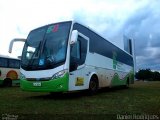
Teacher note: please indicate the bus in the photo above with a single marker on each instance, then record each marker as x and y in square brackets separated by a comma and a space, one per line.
[68, 56]
[9, 71]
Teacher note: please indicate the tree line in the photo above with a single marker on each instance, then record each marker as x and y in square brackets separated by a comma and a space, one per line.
[147, 74]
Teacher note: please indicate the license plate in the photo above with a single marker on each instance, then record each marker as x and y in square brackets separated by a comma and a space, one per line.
[37, 84]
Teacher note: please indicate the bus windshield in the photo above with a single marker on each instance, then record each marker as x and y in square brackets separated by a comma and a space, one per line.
[45, 47]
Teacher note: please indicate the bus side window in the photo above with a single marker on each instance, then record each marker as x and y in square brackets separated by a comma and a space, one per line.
[83, 50]
[75, 50]
[75, 56]
[78, 53]
[3, 62]
[14, 63]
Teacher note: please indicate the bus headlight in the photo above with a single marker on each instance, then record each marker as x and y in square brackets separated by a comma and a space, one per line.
[22, 76]
[59, 74]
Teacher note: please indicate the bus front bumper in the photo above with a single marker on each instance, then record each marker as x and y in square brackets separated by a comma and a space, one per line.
[55, 85]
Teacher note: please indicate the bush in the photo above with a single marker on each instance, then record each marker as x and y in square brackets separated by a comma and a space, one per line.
[147, 74]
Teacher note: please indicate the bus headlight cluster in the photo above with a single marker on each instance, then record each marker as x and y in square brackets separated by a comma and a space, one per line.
[59, 74]
[22, 76]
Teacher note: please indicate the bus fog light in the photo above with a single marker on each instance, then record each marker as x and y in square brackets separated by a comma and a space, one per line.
[59, 74]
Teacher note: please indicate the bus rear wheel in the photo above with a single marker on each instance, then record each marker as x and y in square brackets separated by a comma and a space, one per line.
[7, 82]
[93, 86]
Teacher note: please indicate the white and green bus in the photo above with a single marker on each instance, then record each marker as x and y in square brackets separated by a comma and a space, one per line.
[9, 71]
[67, 56]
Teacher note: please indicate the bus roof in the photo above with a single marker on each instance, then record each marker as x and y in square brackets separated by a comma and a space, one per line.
[6, 56]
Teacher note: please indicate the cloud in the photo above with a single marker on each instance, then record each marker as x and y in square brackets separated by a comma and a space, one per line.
[143, 26]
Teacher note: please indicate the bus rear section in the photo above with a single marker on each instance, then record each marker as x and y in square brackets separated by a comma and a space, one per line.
[9, 71]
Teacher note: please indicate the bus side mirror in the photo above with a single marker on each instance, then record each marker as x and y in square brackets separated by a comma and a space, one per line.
[74, 37]
[15, 40]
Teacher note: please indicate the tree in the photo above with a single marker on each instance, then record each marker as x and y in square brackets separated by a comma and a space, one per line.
[156, 76]
[147, 74]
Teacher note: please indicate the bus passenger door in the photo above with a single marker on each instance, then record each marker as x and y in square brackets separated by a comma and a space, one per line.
[77, 63]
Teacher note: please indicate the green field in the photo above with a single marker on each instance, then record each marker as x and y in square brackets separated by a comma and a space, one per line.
[142, 98]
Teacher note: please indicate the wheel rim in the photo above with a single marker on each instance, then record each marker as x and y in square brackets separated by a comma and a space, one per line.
[93, 85]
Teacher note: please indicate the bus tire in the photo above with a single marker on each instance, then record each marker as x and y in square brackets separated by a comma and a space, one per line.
[7, 82]
[93, 85]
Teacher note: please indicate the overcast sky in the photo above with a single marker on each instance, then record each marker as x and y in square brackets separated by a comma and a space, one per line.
[137, 19]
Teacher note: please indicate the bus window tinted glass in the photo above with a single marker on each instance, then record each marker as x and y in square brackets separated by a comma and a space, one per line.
[3, 62]
[83, 49]
[14, 64]
[75, 50]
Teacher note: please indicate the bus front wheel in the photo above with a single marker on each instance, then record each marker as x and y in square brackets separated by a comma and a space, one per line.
[93, 85]
[7, 82]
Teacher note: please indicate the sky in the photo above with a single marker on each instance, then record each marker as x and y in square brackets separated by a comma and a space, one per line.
[136, 19]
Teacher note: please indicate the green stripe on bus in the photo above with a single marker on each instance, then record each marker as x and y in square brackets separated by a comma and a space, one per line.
[56, 85]
[117, 81]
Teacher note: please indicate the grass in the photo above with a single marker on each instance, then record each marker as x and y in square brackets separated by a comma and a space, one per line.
[141, 98]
